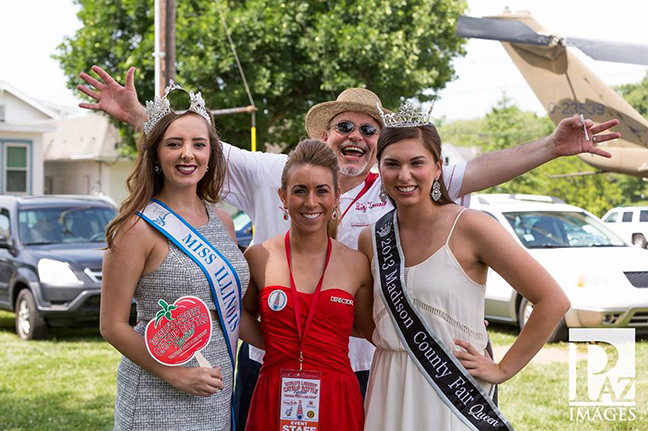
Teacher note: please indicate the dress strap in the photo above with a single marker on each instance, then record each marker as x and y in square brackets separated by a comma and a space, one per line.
[453, 225]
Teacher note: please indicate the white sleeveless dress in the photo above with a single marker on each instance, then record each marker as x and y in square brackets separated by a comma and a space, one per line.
[398, 396]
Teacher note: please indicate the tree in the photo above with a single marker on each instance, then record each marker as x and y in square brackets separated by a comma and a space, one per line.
[295, 53]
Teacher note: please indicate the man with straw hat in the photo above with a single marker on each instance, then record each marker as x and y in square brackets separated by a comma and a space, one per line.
[350, 125]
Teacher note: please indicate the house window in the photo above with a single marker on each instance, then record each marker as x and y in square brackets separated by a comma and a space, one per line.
[16, 168]
[2, 114]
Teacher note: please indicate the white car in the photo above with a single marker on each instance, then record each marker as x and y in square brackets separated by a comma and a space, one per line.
[605, 278]
[630, 223]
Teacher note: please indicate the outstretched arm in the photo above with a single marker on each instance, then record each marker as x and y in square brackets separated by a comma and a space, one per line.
[120, 102]
[568, 139]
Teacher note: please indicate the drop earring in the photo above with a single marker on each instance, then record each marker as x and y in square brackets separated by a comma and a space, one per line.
[285, 211]
[157, 169]
[382, 195]
[336, 213]
[436, 190]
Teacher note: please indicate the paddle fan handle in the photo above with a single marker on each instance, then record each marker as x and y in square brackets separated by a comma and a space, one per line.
[202, 361]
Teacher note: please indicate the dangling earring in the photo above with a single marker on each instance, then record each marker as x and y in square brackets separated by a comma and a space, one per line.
[336, 213]
[436, 190]
[207, 169]
[157, 169]
[383, 194]
[285, 211]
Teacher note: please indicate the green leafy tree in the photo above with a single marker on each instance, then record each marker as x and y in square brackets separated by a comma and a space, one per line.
[295, 53]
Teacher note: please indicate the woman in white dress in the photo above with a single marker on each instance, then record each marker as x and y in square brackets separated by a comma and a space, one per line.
[445, 252]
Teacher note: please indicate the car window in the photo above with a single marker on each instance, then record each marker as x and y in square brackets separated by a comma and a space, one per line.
[643, 216]
[63, 224]
[627, 217]
[5, 230]
[612, 217]
[552, 229]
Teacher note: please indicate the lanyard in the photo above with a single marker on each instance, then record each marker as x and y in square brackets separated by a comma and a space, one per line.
[313, 307]
[371, 178]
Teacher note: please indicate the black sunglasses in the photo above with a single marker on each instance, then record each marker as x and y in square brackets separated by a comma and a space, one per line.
[346, 127]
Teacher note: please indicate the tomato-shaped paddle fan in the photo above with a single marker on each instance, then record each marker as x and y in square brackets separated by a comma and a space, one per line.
[179, 332]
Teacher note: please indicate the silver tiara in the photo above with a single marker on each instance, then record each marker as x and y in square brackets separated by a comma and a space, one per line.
[407, 116]
[161, 106]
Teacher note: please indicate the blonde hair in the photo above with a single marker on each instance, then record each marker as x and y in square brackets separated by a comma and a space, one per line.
[314, 153]
[143, 182]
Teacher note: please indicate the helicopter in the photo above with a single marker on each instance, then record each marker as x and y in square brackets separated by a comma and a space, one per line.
[566, 87]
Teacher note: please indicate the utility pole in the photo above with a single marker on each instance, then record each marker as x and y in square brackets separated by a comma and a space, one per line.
[169, 41]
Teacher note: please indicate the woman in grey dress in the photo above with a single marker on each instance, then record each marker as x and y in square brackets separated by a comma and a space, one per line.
[181, 164]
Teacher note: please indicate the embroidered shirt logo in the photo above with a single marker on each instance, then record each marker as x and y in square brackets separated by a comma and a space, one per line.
[341, 300]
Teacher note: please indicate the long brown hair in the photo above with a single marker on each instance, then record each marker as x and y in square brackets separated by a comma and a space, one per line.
[431, 140]
[143, 182]
[314, 153]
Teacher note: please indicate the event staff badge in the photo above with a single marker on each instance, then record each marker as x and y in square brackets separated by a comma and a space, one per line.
[179, 332]
[300, 400]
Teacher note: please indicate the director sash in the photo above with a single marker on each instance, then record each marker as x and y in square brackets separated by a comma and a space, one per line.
[443, 371]
[223, 281]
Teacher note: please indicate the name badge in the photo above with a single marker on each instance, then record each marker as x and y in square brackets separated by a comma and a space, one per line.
[300, 400]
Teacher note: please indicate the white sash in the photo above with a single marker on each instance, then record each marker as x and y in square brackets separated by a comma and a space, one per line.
[222, 278]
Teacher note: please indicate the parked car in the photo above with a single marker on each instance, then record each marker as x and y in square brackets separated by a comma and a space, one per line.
[630, 223]
[50, 260]
[243, 228]
[604, 277]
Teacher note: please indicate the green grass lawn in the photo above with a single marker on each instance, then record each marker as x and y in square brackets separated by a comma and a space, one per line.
[68, 383]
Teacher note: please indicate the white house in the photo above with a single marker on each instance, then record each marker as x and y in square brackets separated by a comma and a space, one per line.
[21, 141]
[82, 157]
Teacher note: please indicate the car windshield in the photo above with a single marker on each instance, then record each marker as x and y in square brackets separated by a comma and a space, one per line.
[539, 229]
[63, 224]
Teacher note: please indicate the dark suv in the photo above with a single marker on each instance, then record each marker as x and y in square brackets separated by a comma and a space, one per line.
[50, 259]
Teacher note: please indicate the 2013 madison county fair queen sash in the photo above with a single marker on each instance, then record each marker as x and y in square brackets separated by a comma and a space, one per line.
[223, 280]
[458, 389]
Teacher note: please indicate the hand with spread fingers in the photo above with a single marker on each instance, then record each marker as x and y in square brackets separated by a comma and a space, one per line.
[120, 102]
[478, 365]
[569, 137]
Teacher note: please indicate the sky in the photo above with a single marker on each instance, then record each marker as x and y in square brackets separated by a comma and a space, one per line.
[30, 31]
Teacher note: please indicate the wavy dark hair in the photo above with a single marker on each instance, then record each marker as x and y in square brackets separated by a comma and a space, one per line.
[314, 153]
[143, 182]
[430, 138]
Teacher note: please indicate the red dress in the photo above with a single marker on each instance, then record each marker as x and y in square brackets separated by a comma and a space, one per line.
[325, 349]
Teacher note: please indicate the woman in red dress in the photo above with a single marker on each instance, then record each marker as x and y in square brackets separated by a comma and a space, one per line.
[306, 287]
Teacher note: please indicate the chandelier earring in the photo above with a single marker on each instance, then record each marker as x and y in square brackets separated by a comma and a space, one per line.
[383, 194]
[436, 190]
[285, 213]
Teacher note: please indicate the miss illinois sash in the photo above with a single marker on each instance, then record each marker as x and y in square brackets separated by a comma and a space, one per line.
[222, 278]
[443, 371]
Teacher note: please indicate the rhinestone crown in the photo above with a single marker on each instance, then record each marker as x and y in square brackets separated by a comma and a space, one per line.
[161, 106]
[407, 116]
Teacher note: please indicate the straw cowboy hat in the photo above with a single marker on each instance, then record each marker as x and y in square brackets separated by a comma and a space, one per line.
[354, 100]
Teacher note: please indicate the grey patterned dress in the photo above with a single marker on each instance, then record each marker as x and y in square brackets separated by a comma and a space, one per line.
[146, 402]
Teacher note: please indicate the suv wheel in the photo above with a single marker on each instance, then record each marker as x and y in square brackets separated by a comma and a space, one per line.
[561, 333]
[29, 324]
[639, 240]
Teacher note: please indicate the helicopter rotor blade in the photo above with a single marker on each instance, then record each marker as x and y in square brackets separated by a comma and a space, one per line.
[500, 30]
[631, 53]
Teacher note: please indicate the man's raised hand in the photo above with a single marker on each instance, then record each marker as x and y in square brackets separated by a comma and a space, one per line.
[120, 102]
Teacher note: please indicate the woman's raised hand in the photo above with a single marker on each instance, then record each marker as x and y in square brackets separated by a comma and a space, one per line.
[120, 102]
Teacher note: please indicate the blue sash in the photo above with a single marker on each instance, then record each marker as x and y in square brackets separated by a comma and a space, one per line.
[222, 278]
